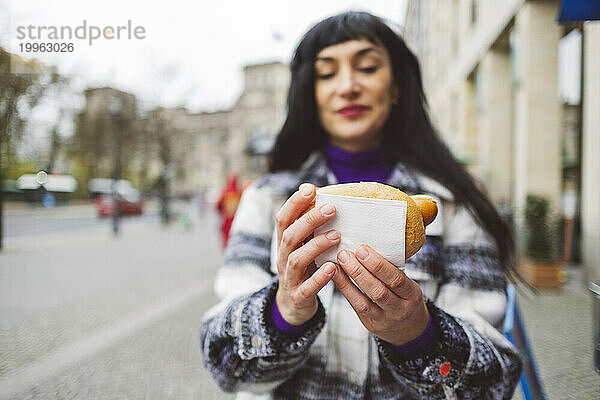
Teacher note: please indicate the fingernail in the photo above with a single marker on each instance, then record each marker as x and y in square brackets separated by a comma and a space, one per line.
[343, 256]
[329, 268]
[332, 235]
[327, 209]
[306, 189]
[362, 252]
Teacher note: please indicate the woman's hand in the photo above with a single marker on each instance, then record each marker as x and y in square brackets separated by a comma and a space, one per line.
[392, 305]
[297, 292]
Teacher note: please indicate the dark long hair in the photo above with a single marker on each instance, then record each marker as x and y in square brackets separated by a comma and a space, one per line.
[408, 135]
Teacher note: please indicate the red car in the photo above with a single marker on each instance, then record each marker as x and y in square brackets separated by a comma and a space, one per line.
[130, 203]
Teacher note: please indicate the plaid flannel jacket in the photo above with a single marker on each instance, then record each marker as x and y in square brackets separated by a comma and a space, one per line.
[336, 357]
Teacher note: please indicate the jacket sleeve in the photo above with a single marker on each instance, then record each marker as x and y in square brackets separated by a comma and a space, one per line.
[244, 352]
[241, 349]
[472, 359]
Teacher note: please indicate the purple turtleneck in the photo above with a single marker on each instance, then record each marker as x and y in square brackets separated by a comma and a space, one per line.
[367, 166]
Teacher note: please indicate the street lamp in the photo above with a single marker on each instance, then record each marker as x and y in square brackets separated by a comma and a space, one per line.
[41, 178]
[116, 108]
[47, 198]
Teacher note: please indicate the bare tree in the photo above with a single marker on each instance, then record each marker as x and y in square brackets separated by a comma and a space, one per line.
[22, 84]
[167, 143]
[92, 145]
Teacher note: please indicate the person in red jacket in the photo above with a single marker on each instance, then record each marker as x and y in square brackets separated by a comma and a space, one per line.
[227, 205]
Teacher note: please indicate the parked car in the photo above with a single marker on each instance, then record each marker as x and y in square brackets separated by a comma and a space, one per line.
[104, 186]
[129, 202]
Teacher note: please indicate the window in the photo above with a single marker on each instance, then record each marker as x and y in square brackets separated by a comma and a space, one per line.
[515, 47]
[479, 90]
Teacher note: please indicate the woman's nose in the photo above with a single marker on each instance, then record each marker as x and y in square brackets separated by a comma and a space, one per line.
[348, 86]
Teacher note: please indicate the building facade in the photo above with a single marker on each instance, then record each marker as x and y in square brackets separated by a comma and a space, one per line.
[195, 150]
[236, 140]
[491, 75]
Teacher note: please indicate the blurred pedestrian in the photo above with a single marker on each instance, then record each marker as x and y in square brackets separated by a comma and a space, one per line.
[227, 205]
[361, 328]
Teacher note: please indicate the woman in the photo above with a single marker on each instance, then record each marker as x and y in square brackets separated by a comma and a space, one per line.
[357, 112]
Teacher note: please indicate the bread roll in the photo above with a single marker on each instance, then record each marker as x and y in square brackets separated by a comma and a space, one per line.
[421, 210]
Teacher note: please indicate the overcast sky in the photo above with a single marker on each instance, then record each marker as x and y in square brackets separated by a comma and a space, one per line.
[193, 51]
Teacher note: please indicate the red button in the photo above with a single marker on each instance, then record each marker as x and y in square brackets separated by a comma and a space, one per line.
[445, 369]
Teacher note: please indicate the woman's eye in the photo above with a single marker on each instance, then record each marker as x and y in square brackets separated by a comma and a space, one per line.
[368, 70]
[324, 76]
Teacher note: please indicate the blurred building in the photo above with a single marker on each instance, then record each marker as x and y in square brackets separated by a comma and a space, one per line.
[107, 113]
[517, 98]
[236, 140]
[167, 151]
[194, 151]
[98, 101]
[209, 162]
[257, 117]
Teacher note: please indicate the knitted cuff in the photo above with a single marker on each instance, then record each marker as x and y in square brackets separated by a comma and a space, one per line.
[420, 346]
[282, 325]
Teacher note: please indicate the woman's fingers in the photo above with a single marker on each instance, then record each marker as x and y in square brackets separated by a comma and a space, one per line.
[293, 208]
[372, 287]
[317, 281]
[306, 224]
[300, 258]
[301, 229]
[363, 306]
[386, 272]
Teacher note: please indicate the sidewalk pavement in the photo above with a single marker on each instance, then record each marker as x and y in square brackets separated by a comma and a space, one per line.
[559, 329]
[90, 316]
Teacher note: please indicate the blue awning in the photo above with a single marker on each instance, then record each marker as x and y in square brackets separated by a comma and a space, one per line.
[579, 11]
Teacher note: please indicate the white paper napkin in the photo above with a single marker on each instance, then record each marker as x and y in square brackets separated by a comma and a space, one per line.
[375, 222]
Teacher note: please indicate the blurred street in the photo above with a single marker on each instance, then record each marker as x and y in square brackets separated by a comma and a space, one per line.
[24, 221]
[85, 315]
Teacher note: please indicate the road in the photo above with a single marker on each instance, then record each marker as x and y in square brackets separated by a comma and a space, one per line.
[26, 220]
[87, 315]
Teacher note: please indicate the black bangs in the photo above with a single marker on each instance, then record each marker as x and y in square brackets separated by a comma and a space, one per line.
[352, 25]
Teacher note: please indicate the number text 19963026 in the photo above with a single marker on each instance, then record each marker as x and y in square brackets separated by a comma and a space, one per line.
[46, 47]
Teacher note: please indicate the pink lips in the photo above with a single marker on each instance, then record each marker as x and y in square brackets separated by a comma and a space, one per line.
[353, 110]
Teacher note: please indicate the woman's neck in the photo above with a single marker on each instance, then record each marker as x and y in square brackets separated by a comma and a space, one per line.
[355, 146]
[355, 166]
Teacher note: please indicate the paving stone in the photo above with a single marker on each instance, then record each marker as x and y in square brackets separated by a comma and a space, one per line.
[161, 362]
[559, 327]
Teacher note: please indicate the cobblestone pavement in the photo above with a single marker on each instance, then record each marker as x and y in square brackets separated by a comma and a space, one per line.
[90, 316]
[559, 326]
[162, 361]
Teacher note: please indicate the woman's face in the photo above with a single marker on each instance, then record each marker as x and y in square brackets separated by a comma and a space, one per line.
[353, 89]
